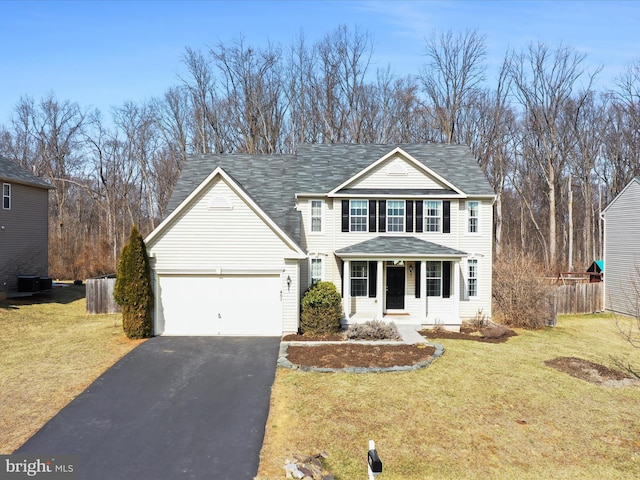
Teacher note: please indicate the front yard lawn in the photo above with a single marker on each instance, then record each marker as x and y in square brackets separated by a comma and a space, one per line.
[51, 351]
[482, 410]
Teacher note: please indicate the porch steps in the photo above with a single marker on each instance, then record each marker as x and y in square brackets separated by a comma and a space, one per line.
[410, 334]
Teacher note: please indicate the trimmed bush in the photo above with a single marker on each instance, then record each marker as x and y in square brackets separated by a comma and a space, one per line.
[321, 309]
[373, 330]
[133, 290]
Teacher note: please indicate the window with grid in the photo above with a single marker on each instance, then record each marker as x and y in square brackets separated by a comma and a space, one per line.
[434, 279]
[358, 215]
[316, 270]
[472, 287]
[6, 196]
[316, 216]
[473, 216]
[395, 215]
[432, 215]
[359, 274]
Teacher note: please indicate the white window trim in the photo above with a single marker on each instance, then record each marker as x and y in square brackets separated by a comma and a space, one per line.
[477, 278]
[366, 216]
[403, 216]
[425, 216]
[426, 278]
[365, 277]
[322, 216]
[322, 275]
[4, 185]
[468, 229]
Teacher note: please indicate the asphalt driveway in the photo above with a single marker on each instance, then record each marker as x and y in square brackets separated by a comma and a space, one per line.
[173, 408]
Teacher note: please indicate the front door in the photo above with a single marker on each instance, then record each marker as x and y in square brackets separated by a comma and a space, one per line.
[395, 288]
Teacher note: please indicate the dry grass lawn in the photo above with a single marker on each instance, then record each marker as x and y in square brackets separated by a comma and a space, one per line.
[480, 411]
[51, 351]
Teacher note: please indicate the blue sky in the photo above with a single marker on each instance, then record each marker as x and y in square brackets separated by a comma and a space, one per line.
[103, 53]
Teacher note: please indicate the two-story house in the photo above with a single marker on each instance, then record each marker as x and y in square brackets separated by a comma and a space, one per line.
[24, 227]
[403, 231]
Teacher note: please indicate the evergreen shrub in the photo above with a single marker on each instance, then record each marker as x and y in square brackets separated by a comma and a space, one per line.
[321, 309]
[133, 290]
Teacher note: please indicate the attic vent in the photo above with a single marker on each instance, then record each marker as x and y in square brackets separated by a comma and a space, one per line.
[220, 203]
[397, 169]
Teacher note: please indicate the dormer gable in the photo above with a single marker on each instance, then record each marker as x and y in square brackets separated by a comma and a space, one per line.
[399, 172]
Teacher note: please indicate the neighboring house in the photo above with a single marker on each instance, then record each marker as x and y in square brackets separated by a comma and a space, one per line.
[622, 251]
[404, 232]
[24, 230]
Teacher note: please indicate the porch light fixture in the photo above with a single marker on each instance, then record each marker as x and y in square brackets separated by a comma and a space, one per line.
[289, 282]
[410, 269]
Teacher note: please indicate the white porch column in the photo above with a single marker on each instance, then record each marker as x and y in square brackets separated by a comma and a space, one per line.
[379, 291]
[456, 291]
[346, 289]
[423, 290]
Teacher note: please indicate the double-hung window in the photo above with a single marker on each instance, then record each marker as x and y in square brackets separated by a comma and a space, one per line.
[316, 270]
[433, 216]
[6, 196]
[473, 217]
[358, 215]
[395, 215]
[434, 278]
[359, 279]
[472, 286]
[316, 216]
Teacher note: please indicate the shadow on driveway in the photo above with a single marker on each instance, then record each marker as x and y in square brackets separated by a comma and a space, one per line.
[173, 408]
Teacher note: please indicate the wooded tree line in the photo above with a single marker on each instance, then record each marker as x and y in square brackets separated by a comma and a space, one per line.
[555, 149]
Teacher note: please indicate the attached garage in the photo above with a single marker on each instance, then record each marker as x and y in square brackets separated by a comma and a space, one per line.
[219, 305]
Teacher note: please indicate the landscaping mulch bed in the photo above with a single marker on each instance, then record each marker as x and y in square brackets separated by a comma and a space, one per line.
[349, 354]
[466, 333]
[590, 371]
[357, 355]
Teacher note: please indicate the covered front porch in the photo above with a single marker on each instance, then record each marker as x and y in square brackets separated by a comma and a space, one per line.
[403, 280]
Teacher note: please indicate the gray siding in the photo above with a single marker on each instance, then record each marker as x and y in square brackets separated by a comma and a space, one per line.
[24, 235]
[622, 252]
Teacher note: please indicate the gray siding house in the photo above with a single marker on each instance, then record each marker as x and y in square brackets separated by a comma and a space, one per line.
[622, 251]
[403, 231]
[24, 226]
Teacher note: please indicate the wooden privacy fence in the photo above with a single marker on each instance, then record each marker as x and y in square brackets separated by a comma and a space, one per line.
[579, 298]
[100, 295]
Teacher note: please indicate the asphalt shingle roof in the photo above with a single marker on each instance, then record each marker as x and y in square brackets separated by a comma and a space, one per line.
[272, 181]
[11, 172]
[389, 245]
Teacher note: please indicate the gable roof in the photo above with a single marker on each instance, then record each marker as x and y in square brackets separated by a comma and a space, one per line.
[11, 172]
[272, 181]
[397, 150]
[268, 180]
[326, 166]
[634, 180]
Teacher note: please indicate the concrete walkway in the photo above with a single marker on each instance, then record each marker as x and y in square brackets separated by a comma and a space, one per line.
[410, 334]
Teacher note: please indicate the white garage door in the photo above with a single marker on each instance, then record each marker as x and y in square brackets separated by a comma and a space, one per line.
[220, 305]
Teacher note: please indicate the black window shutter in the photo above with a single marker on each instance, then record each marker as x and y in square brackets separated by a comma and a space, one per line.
[446, 279]
[372, 215]
[342, 276]
[446, 216]
[373, 278]
[419, 216]
[382, 216]
[345, 215]
[418, 278]
[409, 215]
